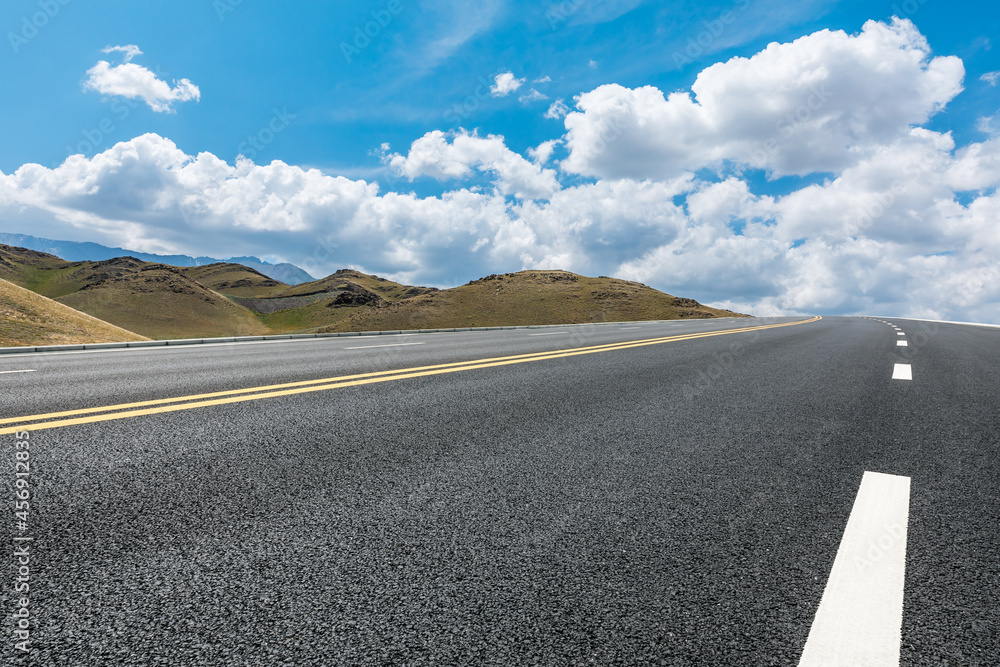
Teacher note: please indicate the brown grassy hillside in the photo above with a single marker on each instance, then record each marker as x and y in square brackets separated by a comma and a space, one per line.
[227, 299]
[153, 300]
[234, 280]
[530, 297]
[159, 301]
[27, 318]
[328, 301]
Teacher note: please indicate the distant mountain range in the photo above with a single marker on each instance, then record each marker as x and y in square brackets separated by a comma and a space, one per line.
[94, 252]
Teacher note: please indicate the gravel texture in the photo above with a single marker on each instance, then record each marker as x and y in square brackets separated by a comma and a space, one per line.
[676, 504]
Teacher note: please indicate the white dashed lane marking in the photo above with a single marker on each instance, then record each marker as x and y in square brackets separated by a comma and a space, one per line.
[553, 333]
[365, 347]
[902, 372]
[860, 617]
[27, 370]
[901, 343]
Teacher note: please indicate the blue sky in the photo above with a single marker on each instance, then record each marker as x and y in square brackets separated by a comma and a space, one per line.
[451, 106]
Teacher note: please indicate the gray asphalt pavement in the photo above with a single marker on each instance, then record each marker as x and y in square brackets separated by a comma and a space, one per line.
[671, 504]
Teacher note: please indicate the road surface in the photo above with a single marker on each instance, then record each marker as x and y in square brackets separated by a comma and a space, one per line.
[655, 493]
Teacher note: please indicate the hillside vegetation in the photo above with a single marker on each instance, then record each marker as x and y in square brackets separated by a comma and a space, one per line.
[330, 301]
[27, 318]
[530, 297]
[227, 299]
[153, 300]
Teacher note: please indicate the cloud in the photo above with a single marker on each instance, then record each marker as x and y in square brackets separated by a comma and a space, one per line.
[541, 153]
[888, 235]
[136, 82]
[504, 84]
[812, 105]
[594, 227]
[988, 124]
[432, 155]
[579, 12]
[870, 240]
[557, 110]
[129, 51]
[532, 96]
[443, 28]
[901, 219]
[148, 195]
[990, 78]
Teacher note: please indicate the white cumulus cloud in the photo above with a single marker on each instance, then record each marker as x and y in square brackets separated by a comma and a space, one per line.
[136, 82]
[434, 156]
[557, 110]
[806, 106]
[504, 84]
[899, 220]
[541, 153]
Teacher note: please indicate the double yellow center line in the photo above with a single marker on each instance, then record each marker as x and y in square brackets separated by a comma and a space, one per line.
[126, 410]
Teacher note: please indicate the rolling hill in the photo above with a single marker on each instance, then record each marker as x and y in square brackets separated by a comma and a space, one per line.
[27, 318]
[159, 301]
[153, 300]
[529, 297]
[234, 280]
[228, 299]
[326, 302]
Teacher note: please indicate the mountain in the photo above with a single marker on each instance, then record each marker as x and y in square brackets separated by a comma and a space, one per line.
[529, 297]
[153, 300]
[77, 252]
[227, 299]
[328, 301]
[284, 272]
[221, 299]
[27, 318]
[236, 280]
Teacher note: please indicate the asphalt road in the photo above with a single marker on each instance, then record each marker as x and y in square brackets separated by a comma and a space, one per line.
[677, 503]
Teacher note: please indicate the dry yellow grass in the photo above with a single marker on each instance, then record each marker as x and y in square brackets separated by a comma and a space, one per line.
[231, 300]
[525, 298]
[27, 318]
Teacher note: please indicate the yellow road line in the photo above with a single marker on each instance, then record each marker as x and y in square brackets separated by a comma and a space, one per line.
[288, 385]
[126, 410]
